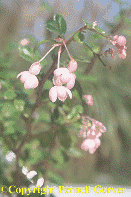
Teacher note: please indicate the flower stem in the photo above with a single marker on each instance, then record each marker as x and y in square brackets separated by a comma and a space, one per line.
[55, 45]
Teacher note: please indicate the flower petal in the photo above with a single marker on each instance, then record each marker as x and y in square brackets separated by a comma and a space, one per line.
[53, 94]
[31, 174]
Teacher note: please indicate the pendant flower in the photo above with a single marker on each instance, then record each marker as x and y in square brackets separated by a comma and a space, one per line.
[59, 91]
[28, 77]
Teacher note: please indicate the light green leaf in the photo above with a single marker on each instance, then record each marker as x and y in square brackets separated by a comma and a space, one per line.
[19, 105]
[9, 94]
[79, 37]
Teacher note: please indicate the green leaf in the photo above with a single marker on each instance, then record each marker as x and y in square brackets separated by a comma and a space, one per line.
[46, 139]
[8, 109]
[55, 115]
[65, 140]
[79, 37]
[48, 84]
[52, 28]
[74, 152]
[19, 105]
[57, 24]
[9, 94]
[65, 156]
[54, 178]
[78, 88]
[61, 23]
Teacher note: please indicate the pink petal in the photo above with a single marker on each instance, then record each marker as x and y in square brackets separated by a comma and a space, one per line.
[69, 93]
[65, 78]
[53, 94]
[60, 71]
[40, 182]
[61, 92]
[31, 174]
[31, 82]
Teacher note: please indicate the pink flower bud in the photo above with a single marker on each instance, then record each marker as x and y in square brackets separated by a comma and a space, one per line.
[31, 82]
[89, 99]
[72, 65]
[71, 83]
[35, 68]
[121, 40]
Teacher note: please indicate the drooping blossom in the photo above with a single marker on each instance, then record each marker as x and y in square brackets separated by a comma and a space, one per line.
[90, 144]
[91, 130]
[63, 76]
[29, 80]
[59, 91]
[28, 77]
[89, 99]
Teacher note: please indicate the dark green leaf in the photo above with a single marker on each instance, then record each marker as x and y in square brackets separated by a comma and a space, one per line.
[65, 140]
[61, 23]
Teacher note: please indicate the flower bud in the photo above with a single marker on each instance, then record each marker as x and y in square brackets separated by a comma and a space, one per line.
[72, 66]
[35, 68]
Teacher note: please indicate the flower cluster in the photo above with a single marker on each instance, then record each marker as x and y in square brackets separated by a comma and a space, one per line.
[30, 175]
[119, 42]
[63, 76]
[28, 77]
[91, 130]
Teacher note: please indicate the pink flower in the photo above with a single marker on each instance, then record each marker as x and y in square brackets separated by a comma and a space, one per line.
[89, 99]
[72, 66]
[24, 42]
[60, 71]
[90, 144]
[63, 76]
[35, 68]
[59, 91]
[29, 80]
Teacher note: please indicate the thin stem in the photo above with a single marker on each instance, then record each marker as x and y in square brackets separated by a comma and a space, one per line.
[55, 45]
[59, 52]
[67, 49]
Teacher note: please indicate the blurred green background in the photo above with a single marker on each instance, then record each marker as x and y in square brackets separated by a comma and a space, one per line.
[53, 147]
